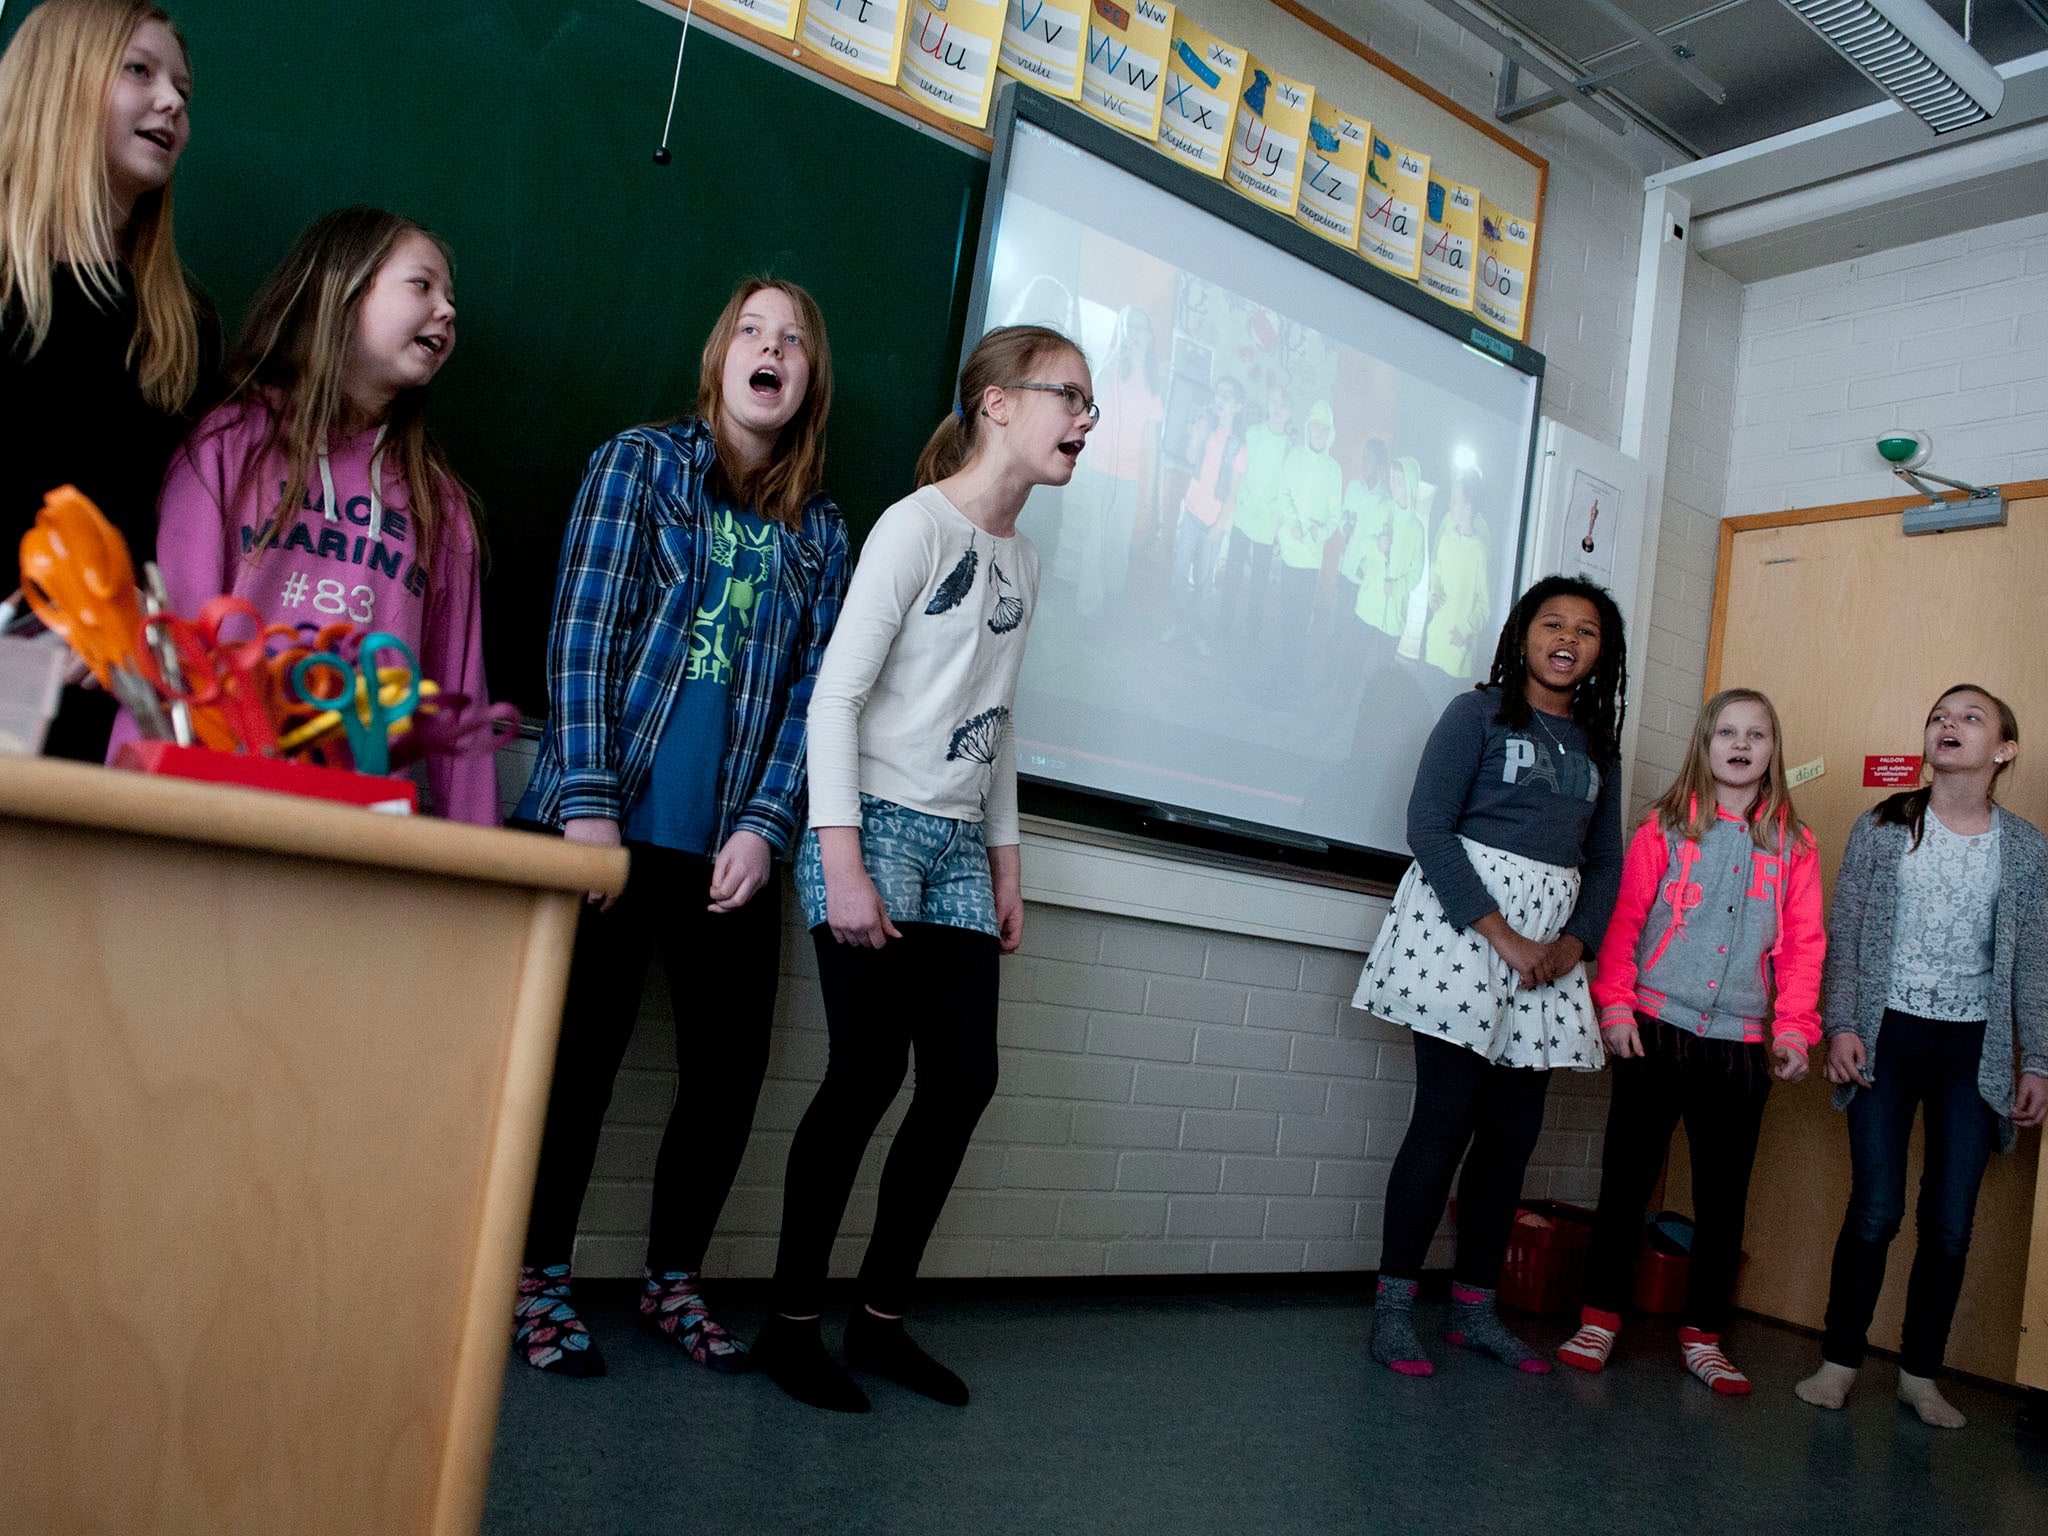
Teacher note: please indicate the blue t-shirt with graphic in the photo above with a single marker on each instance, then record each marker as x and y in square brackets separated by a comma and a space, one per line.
[679, 807]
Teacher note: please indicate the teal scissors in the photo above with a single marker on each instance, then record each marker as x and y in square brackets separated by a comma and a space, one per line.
[327, 681]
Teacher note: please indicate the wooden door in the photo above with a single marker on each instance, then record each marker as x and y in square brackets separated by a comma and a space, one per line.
[1854, 629]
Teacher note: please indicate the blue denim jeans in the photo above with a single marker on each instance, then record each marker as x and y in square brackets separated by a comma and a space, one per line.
[1926, 1062]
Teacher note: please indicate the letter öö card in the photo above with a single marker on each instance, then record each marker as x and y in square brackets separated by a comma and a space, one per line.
[1506, 247]
[950, 60]
[1123, 77]
[1204, 77]
[865, 36]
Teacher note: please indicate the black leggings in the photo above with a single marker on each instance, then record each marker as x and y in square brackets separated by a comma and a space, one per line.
[933, 989]
[1462, 1100]
[1719, 1088]
[721, 971]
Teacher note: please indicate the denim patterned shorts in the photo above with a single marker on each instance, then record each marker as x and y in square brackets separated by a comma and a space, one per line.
[928, 869]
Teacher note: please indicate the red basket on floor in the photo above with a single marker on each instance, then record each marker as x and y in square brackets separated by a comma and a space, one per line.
[1546, 1263]
[1660, 1280]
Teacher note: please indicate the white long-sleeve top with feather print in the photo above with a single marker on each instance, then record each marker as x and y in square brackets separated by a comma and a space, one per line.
[913, 698]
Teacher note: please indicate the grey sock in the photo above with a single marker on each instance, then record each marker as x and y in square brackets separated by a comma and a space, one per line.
[1475, 1325]
[1394, 1343]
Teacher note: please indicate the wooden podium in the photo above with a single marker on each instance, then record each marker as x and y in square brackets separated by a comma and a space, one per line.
[272, 1077]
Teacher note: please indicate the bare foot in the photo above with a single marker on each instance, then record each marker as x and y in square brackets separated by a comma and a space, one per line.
[1829, 1386]
[1920, 1394]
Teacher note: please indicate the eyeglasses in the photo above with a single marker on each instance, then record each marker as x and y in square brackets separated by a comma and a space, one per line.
[1078, 404]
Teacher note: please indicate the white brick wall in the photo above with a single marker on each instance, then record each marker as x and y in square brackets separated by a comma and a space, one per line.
[1950, 335]
[1171, 1102]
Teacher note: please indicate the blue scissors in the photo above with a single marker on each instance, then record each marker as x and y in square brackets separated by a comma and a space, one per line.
[326, 681]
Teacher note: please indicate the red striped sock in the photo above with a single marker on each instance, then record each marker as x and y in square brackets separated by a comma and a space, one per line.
[1589, 1347]
[1703, 1357]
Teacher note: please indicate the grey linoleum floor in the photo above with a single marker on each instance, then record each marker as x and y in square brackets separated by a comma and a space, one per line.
[1242, 1413]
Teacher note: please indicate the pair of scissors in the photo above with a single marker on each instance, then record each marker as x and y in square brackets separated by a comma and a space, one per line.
[222, 682]
[451, 724]
[355, 691]
[308, 729]
[78, 579]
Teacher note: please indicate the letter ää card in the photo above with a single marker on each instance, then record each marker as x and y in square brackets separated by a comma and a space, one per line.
[1124, 73]
[1265, 148]
[1333, 174]
[1204, 77]
[865, 36]
[777, 16]
[1396, 187]
[1450, 242]
[1043, 44]
[949, 62]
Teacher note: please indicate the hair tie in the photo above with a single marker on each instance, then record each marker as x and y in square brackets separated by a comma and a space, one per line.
[960, 411]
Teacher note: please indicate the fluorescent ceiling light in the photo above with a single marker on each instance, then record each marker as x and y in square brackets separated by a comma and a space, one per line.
[1910, 54]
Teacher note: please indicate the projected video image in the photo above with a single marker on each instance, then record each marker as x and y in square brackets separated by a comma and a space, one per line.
[1282, 552]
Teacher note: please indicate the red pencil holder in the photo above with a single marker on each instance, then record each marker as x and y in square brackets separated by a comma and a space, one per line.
[1545, 1269]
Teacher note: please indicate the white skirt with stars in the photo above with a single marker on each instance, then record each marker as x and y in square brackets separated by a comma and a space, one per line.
[1451, 985]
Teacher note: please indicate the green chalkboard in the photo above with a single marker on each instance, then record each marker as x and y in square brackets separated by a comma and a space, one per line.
[523, 132]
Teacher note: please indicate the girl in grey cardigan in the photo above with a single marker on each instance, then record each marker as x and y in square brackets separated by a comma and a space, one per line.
[1936, 950]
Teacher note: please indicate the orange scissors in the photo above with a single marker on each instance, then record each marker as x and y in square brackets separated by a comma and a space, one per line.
[78, 579]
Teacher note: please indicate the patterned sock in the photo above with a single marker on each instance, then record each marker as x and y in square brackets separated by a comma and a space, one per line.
[1704, 1359]
[882, 1345]
[672, 1307]
[1394, 1343]
[546, 1331]
[791, 1353]
[1475, 1325]
[1589, 1348]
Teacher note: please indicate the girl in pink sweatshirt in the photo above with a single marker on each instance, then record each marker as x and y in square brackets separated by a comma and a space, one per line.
[315, 491]
[1709, 987]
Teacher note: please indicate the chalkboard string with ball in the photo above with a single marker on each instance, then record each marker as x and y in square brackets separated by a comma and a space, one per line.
[661, 155]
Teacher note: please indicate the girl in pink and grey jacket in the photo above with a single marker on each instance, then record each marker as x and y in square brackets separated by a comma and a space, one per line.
[1709, 986]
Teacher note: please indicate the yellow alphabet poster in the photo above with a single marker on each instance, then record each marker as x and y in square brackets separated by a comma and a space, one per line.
[777, 16]
[1265, 148]
[1043, 44]
[949, 62]
[1450, 239]
[1122, 79]
[1204, 76]
[865, 36]
[1333, 174]
[1506, 244]
[1396, 187]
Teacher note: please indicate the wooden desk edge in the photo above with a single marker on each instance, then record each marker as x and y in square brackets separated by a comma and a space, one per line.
[77, 794]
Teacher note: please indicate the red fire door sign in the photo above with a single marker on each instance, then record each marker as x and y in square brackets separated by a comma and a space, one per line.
[1890, 772]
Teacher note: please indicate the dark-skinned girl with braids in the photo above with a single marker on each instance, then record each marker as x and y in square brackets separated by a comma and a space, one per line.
[1515, 824]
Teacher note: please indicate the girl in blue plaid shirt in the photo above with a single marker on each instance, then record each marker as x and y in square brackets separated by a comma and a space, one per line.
[702, 572]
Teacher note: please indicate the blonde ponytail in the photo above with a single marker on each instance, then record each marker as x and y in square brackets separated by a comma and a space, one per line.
[1000, 359]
